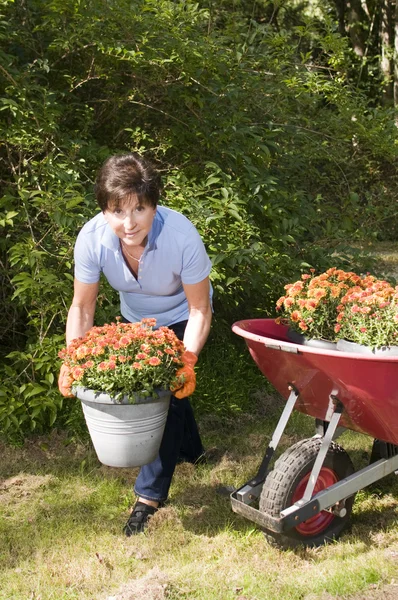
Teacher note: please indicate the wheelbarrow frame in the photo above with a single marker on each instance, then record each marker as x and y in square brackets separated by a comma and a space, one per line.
[309, 505]
[336, 407]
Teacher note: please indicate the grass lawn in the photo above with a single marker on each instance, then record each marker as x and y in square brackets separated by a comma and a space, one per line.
[62, 514]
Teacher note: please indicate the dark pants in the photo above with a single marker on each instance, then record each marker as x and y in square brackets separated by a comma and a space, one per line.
[181, 441]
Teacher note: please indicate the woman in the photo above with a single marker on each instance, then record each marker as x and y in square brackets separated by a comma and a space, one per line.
[156, 259]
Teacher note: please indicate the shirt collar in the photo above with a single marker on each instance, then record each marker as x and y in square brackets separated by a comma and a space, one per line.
[156, 228]
[109, 238]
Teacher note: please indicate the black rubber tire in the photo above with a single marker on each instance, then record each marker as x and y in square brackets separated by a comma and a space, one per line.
[281, 483]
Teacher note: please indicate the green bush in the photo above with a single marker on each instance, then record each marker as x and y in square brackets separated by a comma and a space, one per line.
[261, 138]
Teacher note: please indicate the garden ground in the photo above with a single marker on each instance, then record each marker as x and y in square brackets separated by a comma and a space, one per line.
[63, 512]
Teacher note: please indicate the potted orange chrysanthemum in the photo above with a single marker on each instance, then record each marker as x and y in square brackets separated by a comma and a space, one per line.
[309, 306]
[367, 319]
[354, 313]
[124, 374]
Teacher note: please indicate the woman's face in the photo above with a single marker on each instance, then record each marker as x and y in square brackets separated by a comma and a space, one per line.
[131, 221]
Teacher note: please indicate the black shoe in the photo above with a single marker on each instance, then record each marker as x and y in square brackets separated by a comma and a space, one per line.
[138, 519]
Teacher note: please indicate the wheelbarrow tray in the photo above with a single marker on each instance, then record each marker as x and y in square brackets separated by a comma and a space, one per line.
[367, 386]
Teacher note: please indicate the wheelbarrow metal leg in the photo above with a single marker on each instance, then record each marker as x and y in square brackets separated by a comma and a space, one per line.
[320, 459]
[321, 427]
[252, 489]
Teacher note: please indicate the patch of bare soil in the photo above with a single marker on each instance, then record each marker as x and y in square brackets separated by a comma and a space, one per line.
[22, 486]
[153, 586]
[375, 592]
[387, 592]
[388, 261]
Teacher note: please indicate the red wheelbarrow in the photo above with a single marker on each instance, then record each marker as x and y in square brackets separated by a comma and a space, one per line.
[307, 498]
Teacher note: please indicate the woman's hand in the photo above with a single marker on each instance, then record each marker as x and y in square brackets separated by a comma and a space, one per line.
[187, 375]
[188, 383]
[195, 336]
[65, 382]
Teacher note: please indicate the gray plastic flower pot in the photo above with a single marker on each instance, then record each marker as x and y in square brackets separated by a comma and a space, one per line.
[346, 346]
[123, 434]
[298, 338]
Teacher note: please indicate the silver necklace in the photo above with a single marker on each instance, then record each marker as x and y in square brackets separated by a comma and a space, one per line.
[124, 249]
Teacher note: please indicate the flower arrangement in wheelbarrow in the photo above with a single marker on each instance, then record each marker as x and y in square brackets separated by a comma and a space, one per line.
[310, 304]
[126, 360]
[339, 305]
[368, 315]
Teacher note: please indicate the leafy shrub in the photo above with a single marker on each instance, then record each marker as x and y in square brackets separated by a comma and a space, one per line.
[263, 142]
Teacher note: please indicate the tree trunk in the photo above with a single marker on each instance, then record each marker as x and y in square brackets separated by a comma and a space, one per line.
[387, 43]
[340, 8]
[357, 20]
[396, 61]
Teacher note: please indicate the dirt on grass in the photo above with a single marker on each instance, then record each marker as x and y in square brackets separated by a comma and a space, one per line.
[155, 585]
[22, 486]
[375, 592]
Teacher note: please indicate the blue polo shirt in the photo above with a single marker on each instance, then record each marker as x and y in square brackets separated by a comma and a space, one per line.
[174, 254]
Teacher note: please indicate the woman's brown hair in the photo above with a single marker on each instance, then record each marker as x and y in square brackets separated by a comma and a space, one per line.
[125, 175]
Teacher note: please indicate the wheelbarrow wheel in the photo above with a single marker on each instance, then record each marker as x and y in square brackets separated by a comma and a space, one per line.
[286, 484]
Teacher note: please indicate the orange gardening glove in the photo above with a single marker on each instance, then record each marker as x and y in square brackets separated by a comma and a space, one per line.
[188, 385]
[187, 374]
[189, 358]
[65, 382]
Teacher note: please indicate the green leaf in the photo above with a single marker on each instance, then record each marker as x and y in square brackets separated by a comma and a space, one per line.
[211, 180]
[34, 390]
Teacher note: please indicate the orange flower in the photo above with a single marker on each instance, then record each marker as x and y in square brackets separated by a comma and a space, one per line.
[77, 373]
[288, 302]
[150, 322]
[154, 361]
[82, 351]
[311, 305]
[97, 351]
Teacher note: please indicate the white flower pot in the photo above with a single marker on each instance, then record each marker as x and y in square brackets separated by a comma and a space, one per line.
[123, 434]
[346, 346]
